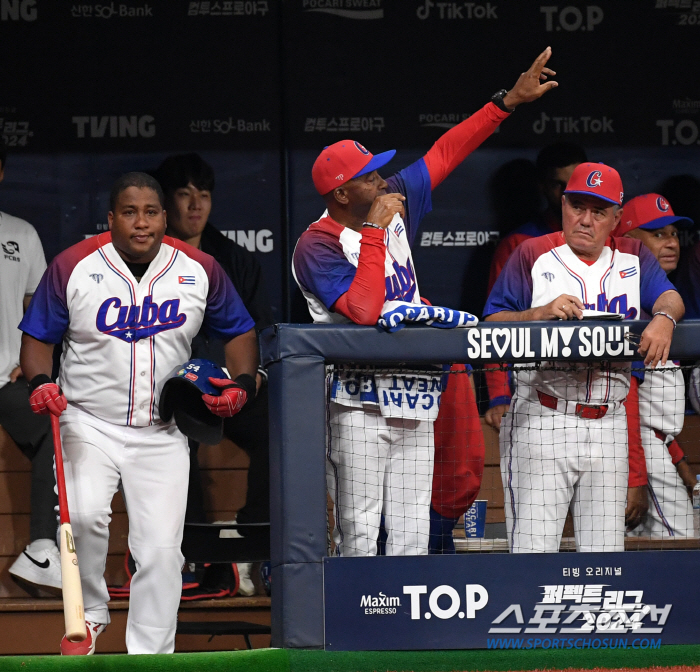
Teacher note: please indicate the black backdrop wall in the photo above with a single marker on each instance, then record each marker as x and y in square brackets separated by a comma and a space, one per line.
[89, 90]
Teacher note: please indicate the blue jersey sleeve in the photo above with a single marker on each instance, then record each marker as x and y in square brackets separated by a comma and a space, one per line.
[413, 182]
[225, 316]
[512, 291]
[321, 267]
[46, 318]
[653, 280]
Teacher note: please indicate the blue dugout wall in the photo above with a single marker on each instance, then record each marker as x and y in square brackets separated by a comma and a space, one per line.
[296, 356]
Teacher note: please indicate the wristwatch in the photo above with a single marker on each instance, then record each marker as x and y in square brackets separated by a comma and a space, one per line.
[497, 100]
[372, 225]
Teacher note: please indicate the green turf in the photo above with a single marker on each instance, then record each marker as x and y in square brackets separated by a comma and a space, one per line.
[457, 661]
[258, 660]
[291, 660]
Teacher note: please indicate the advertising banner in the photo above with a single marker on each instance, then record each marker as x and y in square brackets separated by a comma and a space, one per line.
[503, 601]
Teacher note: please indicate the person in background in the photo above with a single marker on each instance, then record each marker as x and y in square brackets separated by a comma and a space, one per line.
[683, 194]
[656, 402]
[22, 264]
[554, 167]
[188, 184]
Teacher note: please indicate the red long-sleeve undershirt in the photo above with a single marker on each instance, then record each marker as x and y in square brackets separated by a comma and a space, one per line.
[638, 465]
[363, 301]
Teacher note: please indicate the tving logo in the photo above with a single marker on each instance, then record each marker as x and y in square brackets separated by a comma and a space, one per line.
[571, 18]
[348, 9]
[115, 126]
[18, 10]
[123, 321]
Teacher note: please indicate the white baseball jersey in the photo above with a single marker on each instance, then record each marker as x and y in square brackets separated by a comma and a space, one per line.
[326, 256]
[324, 264]
[22, 264]
[624, 279]
[121, 338]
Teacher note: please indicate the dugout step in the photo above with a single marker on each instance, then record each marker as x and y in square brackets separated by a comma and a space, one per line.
[214, 628]
[218, 542]
[22, 618]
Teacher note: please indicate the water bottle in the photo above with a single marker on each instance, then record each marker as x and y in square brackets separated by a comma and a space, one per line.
[696, 508]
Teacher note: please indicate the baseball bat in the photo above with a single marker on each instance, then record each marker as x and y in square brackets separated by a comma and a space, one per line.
[73, 613]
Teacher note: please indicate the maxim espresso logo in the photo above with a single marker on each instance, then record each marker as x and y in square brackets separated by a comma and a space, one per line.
[381, 604]
[347, 9]
[686, 106]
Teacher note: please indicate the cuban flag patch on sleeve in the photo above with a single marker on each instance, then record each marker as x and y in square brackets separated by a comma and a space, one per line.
[185, 279]
[628, 272]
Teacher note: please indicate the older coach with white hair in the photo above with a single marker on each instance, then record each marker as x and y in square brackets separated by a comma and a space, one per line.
[564, 440]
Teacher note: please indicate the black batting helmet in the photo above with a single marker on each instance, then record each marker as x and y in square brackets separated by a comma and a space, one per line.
[182, 396]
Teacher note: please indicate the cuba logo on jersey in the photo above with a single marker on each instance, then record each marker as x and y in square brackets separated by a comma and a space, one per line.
[401, 286]
[594, 179]
[662, 204]
[132, 323]
[617, 304]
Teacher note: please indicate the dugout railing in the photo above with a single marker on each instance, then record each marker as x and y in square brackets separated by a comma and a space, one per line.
[297, 356]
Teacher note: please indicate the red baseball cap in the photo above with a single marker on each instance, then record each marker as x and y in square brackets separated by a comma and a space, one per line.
[342, 161]
[649, 212]
[596, 179]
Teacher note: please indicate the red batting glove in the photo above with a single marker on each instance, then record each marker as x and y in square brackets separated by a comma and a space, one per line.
[48, 398]
[229, 402]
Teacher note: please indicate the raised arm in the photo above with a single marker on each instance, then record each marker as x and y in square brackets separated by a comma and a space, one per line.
[455, 145]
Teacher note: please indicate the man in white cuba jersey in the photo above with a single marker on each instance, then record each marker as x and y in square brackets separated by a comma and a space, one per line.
[659, 396]
[564, 439]
[126, 305]
[350, 264]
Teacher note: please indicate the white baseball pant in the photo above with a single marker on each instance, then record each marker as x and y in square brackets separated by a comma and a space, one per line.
[551, 461]
[153, 466]
[670, 511]
[376, 466]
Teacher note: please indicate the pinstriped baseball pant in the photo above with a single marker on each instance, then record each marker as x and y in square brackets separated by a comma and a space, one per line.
[376, 466]
[553, 461]
[153, 465]
[670, 511]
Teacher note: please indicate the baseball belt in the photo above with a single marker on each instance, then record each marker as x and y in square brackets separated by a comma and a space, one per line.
[587, 411]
